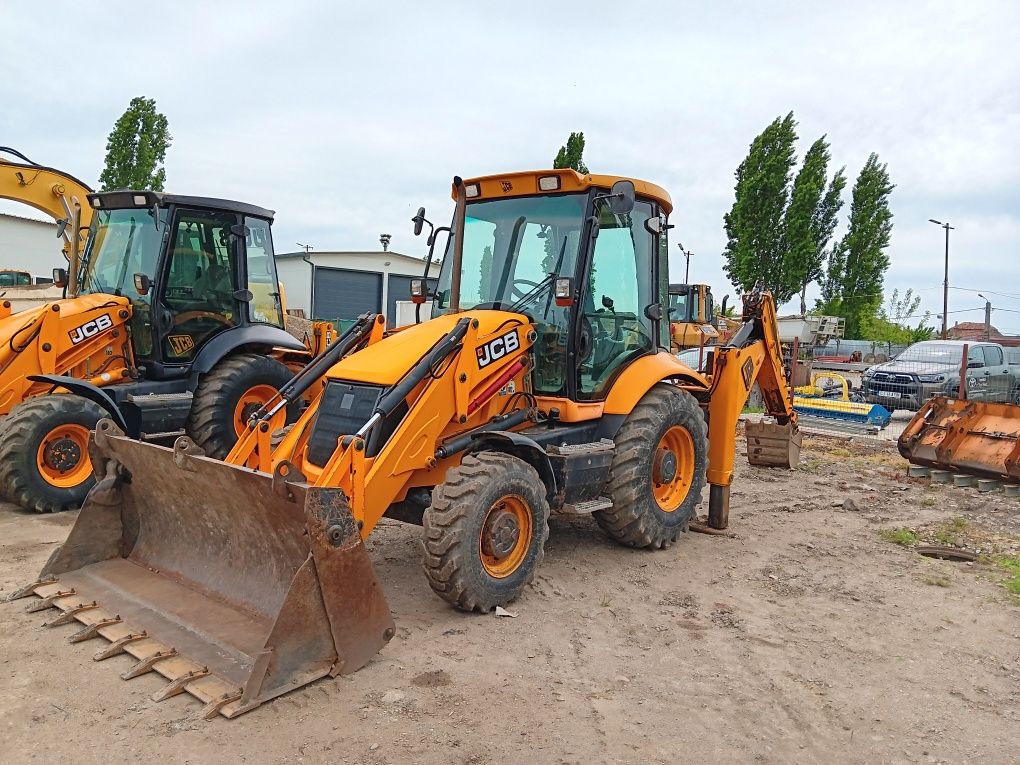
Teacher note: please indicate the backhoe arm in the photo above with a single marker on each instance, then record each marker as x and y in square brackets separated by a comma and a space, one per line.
[61, 196]
[753, 355]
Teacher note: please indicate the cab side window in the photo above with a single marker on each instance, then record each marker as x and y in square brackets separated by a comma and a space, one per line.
[266, 307]
[993, 356]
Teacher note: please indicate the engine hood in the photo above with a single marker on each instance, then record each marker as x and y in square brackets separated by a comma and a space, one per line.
[385, 362]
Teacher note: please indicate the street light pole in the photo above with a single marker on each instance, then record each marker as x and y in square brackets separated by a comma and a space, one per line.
[988, 318]
[945, 282]
[687, 266]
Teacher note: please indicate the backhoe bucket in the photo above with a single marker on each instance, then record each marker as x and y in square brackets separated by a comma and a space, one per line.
[974, 437]
[773, 445]
[236, 586]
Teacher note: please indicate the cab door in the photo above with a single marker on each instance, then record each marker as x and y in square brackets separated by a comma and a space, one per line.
[199, 283]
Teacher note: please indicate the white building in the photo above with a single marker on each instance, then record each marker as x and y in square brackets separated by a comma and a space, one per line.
[27, 244]
[343, 285]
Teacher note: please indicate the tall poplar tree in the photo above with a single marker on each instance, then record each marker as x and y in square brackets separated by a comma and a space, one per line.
[136, 148]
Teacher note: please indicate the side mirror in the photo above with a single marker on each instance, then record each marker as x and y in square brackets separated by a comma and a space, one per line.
[564, 291]
[62, 227]
[419, 221]
[60, 277]
[607, 302]
[621, 197]
[142, 284]
[419, 291]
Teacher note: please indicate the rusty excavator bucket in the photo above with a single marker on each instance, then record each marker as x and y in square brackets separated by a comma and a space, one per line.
[234, 585]
[974, 437]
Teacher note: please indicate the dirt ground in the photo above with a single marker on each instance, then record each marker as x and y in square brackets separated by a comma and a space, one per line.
[809, 636]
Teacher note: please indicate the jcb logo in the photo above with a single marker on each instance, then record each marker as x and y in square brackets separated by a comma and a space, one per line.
[181, 345]
[496, 349]
[506, 186]
[90, 328]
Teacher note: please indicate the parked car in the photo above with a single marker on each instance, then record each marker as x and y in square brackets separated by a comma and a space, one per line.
[933, 368]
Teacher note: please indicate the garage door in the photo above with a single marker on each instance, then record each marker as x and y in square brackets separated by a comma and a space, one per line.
[342, 294]
[399, 289]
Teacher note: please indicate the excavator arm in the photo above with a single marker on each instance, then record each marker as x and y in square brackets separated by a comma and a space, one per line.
[753, 355]
[61, 196]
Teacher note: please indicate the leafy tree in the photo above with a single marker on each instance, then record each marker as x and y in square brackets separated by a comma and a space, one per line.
[570, 154]
[811, 219]
[136, 148]
[755, 226]
[857, 266]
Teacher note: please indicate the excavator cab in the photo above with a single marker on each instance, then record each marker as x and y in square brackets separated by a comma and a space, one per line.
[541, 384]
[188, 265]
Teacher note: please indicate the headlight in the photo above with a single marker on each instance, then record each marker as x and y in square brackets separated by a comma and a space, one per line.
[931, 378]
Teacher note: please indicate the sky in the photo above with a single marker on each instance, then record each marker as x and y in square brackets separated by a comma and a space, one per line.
[345, 117]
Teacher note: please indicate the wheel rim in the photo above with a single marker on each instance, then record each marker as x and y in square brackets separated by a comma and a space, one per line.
[673, 468]
[63, 456]
[249, 403]
[506, 536]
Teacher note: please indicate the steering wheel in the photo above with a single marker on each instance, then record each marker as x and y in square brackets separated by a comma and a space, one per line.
[186, 316]
[518, 293]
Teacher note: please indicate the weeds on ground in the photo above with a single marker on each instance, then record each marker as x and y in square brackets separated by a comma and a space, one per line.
[936, 580]
[928, 502]
[904, 537]
[810, 465]
[1012, 565]
[839, 451]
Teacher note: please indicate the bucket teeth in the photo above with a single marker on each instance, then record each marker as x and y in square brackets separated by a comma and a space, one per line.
[146, 664]
[68, 616]
[90, 631]
[210, 710]
[43, 603]
[29, 589]
[118, 646]
[177, 686]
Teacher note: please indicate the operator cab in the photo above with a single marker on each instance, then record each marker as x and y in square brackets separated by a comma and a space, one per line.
[583, 256]
[192, 268]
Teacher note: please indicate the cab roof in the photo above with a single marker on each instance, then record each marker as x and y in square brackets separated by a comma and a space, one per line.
[525, 183]
[121, 199]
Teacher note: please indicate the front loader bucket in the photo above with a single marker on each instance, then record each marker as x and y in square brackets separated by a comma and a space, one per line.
[773, 445]
[974, 437]
[236, 586]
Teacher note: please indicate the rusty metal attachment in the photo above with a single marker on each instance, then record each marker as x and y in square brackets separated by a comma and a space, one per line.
[979, 438]
[773, 445]
[234, 585]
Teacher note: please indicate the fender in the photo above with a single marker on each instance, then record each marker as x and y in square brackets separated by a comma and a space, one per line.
[638, 378]
[230, 340]
[92, 393]
[522, 447]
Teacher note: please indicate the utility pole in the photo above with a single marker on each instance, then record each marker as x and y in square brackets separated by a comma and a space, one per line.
[945, 282]
[306, 247]
[687, 266]
[988, 318]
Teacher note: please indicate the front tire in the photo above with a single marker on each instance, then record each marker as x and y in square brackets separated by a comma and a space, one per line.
[485, 531]
[234, 389]
[658, 471]
[44, 459]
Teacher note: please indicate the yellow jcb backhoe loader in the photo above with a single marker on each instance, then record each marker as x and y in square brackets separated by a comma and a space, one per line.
[173, 322]
[542, 383]
[693, 320]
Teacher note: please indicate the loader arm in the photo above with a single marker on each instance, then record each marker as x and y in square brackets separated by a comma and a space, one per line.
[754, 354]
[53, 192]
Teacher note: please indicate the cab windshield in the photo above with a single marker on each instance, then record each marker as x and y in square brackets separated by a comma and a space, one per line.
[513, 249]
[122, 243]
[679, 309]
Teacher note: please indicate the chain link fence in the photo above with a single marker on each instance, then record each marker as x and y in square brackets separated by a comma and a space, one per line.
[844, 393]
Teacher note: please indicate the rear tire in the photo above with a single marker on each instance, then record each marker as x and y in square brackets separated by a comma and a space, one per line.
[44, 460]
[485, 531]
[234, 388]
[658, 471]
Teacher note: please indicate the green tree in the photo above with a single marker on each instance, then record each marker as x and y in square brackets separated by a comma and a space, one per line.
[136, 148]
[857, 266]
[571, 154]
[811, 219]
[755, 226]
[892, 322]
